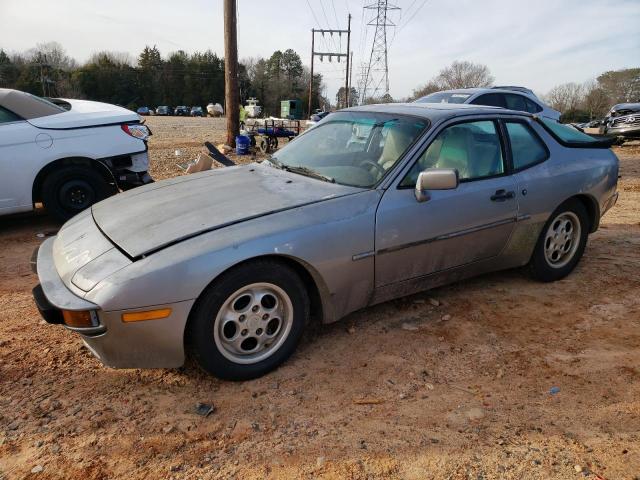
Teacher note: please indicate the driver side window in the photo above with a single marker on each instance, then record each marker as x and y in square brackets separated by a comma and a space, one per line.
[472, 148]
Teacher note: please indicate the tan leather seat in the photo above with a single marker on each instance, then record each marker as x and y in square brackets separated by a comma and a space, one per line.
[454, 153]
[395, 144]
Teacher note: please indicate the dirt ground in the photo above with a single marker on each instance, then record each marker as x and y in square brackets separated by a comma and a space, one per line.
[453, 383]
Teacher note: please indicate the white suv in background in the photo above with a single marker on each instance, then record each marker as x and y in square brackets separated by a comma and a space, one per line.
[514, 98]
[67, 154]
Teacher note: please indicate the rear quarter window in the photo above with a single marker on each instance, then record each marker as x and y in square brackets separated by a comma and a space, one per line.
[526, 147]
[7, 116]
[490, 99]
[571, 137]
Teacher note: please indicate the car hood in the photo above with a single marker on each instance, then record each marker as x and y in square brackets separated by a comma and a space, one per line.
[84, 113]
[149, 218]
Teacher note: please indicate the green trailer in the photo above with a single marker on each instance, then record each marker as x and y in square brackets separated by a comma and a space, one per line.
[291, 109]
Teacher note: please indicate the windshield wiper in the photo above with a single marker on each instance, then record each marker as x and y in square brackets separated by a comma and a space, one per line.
[308, 172]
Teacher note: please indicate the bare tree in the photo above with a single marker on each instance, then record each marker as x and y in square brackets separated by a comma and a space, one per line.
[566, 97]
[430, 87]
[596, 101]
[53, 54]
[460, 74]
[465, 75]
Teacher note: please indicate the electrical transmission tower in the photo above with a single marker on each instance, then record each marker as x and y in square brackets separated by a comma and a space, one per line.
[376, 73]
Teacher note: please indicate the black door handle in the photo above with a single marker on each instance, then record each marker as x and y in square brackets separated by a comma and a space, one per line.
[502, 195]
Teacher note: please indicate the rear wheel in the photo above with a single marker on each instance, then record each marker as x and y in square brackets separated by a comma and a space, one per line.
[561, 242]
[249, 321]
[69, 190]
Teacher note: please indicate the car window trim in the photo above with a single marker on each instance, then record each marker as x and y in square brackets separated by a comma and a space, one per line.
[507, 139]
[496, 123]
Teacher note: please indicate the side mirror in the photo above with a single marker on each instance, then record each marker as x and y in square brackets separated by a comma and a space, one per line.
[435, 179]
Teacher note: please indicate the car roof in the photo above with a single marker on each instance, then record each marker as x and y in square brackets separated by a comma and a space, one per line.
[434, 111]
[475, 90]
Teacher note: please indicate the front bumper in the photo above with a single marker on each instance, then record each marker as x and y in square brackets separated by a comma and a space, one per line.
[144, 344]
[625, 132]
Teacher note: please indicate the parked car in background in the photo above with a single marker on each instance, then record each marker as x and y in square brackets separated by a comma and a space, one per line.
[197, 112]
[144, 111]
[67, 158]
[163, 111]
[315, 118]
[623, 122]
[512, 98]
[240, 259]
[181, 111]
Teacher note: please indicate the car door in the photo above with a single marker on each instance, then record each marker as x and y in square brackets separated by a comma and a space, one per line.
[453, 227]
[18, 151]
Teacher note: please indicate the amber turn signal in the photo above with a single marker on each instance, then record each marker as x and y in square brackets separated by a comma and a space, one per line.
[85, 318]
[147, 315]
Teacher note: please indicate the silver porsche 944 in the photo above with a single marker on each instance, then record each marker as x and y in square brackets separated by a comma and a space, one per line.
[374, 203]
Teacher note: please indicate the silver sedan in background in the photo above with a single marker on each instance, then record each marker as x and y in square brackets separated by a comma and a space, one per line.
[375, 203]
[512, 98]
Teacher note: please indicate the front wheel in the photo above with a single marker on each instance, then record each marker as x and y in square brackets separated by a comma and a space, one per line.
[561, 242]
[249, 321]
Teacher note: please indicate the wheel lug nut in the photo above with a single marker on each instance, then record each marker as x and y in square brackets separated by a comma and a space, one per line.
[244, 332]
[259, 331]
[255, 308]
[265, 316]
[242, 317]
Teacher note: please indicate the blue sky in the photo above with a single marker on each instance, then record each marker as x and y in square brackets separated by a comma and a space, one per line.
[537, 44]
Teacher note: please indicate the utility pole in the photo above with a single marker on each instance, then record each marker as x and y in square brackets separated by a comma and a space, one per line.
[231, 99]
[313, 37]
[346, 79]
[350, 75]
[338, 55]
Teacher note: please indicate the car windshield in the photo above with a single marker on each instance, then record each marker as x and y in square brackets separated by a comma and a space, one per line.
[445, 97]
[351, 148]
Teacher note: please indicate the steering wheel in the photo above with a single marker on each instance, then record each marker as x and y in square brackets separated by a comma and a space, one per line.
[377, 166]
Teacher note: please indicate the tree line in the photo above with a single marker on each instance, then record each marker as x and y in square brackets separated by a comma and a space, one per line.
[151, 79]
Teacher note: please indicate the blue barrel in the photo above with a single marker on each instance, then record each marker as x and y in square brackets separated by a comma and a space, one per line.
[242, 144]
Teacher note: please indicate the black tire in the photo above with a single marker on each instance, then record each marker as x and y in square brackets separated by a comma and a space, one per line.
[540, 266]
[69, 190]
[199, 336]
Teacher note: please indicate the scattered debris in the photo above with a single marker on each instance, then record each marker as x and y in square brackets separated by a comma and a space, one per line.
[410, 327]
[37, 469]
[577, 468]
[204, 409]
[434, 302]
[219, 154]
[351, 330]
[554, 390]
[446, 318]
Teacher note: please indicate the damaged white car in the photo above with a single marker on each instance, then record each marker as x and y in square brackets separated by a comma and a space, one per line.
[68, 154]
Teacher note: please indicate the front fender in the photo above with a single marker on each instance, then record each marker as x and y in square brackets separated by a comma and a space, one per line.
[328, 238]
